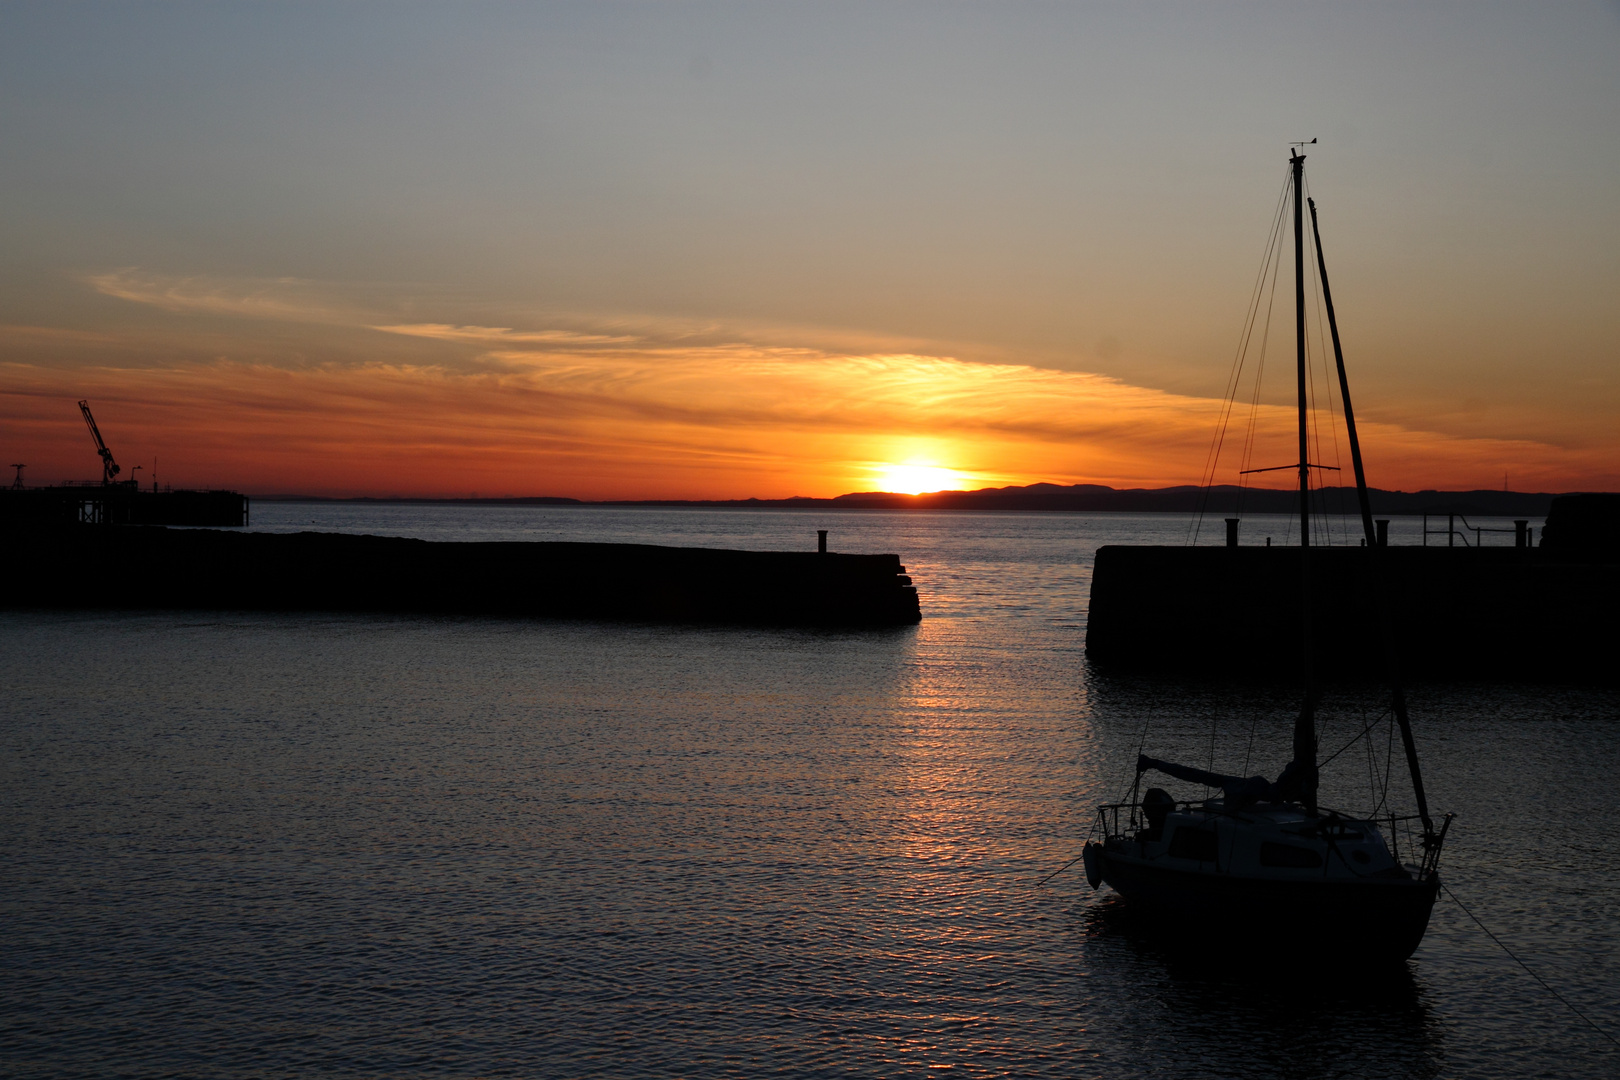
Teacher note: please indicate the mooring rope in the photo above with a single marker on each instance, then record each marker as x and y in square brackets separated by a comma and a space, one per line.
[1527, 969]
[1059, 870]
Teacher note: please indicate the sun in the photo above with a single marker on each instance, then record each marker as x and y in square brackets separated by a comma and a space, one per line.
[914, 479]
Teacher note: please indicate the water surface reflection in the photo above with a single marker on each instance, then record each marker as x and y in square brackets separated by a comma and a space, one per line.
[275, 845]
[1215, 1016]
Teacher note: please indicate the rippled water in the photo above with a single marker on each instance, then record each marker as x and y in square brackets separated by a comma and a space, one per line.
[245, 845]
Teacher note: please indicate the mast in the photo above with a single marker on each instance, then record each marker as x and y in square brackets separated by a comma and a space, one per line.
[1344, 388]
[1298, 161]
[1392, 658]
[1305, 725]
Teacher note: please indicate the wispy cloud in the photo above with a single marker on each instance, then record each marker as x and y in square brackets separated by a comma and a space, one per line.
[278, 299]
[502, 335]
[597, 413]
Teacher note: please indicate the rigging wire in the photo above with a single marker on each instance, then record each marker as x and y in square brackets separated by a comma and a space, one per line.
[1389, 764]
[1566, 1002]
[1378, 790]
[1372, 772]
[1212, 458]
[1141, 747]
[1245, 337]
[1355, 738]
[1288, 531]
[1214, 726]
[1248, 755]
[1252, 431]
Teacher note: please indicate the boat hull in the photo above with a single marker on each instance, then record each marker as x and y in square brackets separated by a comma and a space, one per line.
[1368, 919]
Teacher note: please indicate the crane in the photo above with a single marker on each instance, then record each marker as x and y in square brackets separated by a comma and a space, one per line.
[109, 467]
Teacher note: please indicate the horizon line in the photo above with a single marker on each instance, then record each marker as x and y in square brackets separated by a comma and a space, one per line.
[852, 499]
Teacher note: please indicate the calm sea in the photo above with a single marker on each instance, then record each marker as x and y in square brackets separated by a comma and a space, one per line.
[243, 845]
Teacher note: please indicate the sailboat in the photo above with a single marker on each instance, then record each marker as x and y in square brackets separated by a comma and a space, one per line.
[1263, 867]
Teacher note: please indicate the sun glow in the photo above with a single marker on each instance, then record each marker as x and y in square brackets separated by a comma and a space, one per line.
[914, 479]
[544, 410]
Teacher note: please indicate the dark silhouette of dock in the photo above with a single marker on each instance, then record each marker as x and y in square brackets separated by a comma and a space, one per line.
[112, 501]
[120, 504]
[1548, 612]
[133, 567]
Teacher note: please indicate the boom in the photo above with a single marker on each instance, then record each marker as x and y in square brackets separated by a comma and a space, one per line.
[109, 467]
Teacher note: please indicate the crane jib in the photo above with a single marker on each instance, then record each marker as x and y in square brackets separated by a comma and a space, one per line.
[109, 467]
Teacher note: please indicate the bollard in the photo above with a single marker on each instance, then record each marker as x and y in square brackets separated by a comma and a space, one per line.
[1383, 531]
[821, 541]
[1231, 532]
[1521, 534]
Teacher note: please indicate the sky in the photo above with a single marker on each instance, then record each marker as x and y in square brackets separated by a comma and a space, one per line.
[716, 250]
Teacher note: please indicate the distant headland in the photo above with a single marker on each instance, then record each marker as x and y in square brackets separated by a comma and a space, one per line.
[1075, 497]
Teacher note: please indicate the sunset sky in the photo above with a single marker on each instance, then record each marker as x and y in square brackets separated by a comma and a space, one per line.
[699, 250]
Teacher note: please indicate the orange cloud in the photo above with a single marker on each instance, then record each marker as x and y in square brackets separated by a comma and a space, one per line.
[712, 423]
[353, 404]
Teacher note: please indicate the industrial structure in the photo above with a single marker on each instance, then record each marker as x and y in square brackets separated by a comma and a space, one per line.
[112, 501]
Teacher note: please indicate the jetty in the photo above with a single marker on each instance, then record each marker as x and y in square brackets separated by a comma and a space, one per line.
[1459, 611]
[121, 504]
[157, 568]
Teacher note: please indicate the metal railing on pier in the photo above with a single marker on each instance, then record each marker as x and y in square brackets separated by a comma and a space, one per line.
[1522, 532]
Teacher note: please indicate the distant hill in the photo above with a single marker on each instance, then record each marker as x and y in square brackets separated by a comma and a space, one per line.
[1217, 500]
[1224, 499]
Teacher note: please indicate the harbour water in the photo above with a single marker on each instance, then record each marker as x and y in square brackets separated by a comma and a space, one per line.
[250, 845]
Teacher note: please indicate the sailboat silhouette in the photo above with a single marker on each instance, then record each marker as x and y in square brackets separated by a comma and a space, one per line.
[1263, 867]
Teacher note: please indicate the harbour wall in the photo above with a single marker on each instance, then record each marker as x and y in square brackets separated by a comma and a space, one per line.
[120, 504]
[147, 567]
[1495, 613]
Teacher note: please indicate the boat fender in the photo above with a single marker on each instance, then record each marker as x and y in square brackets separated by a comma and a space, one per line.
[1091, 855]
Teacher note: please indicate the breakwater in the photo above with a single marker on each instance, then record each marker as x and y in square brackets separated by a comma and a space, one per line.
[120, 504]
[144, 567]
[1500, 613]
